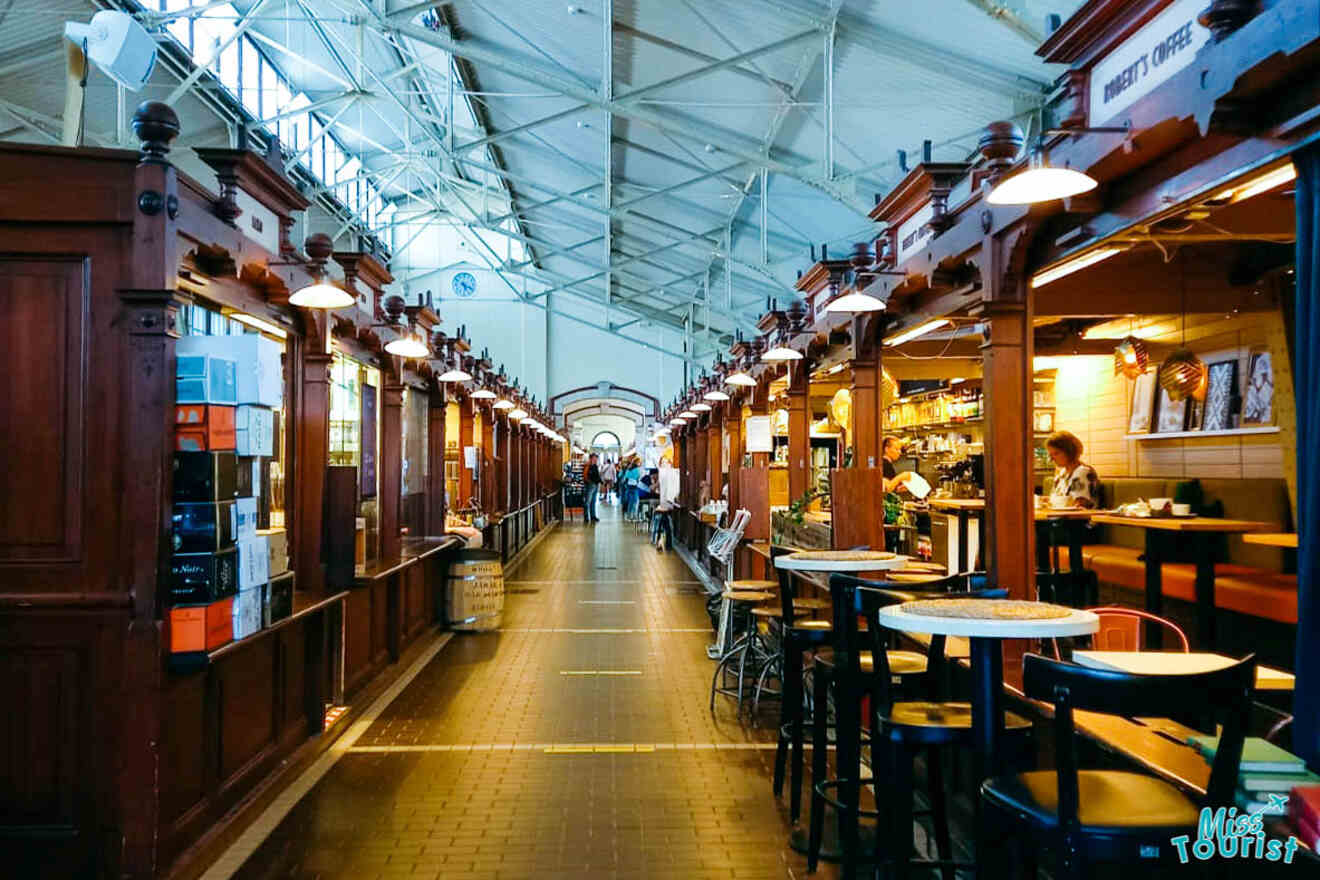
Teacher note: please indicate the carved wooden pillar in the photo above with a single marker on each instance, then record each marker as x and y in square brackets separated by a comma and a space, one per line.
[464, 441]
[391, 467]
[700, 454]
[681, 461]
[435, 456]
[515, 466]
[714, 459]
[1010, 527]
[799, 429]
[487, 459]
[312, 453]
[733, 428]
[867, 430]
[500, 456]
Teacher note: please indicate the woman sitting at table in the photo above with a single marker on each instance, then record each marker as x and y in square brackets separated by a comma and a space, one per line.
[1073, 478]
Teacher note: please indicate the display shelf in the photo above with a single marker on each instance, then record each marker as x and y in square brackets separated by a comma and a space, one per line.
[1182, 435]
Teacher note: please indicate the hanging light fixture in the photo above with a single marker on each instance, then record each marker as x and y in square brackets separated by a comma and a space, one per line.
[455, 374]
[779, 353]
[1182, 375]
[688, 414]
[701, 406]
[740, 378]
[715, 394]
[504, 403]
[518, 414]
[1131, 357]
[483, 394]
[409, 345]
[320, 294]
[856, 301]
[1040, 182]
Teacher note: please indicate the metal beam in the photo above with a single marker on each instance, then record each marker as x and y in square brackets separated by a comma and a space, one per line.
[241, 27]
[715, 67]
[1012, 19]
[536, 74]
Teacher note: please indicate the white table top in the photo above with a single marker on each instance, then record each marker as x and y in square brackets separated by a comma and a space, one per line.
[1076, 623]
[1177, 663]
[796, 562]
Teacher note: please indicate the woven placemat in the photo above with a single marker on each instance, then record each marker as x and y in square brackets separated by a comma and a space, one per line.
[987, 609]
[845, 555]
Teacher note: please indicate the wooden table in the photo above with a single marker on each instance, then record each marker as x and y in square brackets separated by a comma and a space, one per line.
[1287, 540]
[963, 508]
[1195, 533]
[1179, 663]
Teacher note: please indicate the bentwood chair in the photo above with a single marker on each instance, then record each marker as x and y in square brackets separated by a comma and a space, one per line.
[1098, 816]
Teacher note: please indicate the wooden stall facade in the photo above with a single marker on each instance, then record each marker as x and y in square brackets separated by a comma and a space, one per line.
[124, 765]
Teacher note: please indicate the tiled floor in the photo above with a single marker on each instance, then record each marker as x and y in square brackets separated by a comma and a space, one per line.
[576, 742]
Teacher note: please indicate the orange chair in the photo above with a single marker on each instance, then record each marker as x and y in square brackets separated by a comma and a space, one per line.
[1121, 630]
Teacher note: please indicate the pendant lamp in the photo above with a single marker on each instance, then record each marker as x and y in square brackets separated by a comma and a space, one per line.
[409, 345]
[1131, 358]
[1183, 375]
[740, 378]
[1040, 182]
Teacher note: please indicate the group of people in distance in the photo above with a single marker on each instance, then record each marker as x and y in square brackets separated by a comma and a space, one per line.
[629, 482]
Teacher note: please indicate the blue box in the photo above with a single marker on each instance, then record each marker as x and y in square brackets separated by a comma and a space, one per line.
[205, 379]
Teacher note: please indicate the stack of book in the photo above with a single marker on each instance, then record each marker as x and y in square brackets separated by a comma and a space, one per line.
[1266, 770]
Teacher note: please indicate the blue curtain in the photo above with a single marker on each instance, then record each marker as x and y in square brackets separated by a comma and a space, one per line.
[1306, 382]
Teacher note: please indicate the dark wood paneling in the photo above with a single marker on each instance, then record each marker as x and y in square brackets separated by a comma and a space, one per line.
[45, 304]
[754, 495]
[40, 764]
[182, 764]
[415, 615]
[857, 507]
[246, 690]
[357, 640]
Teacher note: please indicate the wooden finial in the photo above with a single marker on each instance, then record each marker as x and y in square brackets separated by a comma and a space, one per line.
[1223, 17]
[319, 247]
[999, 145]
[156, 124]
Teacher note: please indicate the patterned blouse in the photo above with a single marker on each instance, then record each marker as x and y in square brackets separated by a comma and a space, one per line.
[1080, 484]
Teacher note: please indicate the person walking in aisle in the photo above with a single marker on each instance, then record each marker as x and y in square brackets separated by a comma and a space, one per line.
[593, 489]
[631, 482]
[608, 475]
[662, 527]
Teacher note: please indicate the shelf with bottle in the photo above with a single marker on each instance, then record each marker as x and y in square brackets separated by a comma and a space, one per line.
[955, 405]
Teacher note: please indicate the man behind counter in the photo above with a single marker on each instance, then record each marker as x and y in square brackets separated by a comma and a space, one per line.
[891, 451]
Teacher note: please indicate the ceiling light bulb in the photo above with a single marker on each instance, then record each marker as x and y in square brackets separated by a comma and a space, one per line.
[781, 353]
[503, 404]
[856, 302]
[701, 406]
[740, 378]
[716, 394]
[518, 414]
[483, 394]
[688, 414]
[321, 296]
[677, 423]
[258, 323]
[408, 346]
[1090, 258]
[1040, 182]
[1267, 181]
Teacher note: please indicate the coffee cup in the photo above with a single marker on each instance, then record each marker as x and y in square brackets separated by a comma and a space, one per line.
[1160, 504]
[1060, 502]
[1182, 510]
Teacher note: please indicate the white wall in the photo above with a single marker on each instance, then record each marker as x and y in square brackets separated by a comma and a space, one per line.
[516, 332]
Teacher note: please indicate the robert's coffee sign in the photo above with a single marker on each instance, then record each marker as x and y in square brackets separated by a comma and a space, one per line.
[1162, 47]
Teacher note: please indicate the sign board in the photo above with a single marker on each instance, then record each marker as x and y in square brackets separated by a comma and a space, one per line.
[913, 233]
[758, 437]
[367, 462]
[258, 222]
[1162, 47]
[470, 457]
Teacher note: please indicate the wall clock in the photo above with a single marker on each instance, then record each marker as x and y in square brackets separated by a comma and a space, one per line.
[465, 284]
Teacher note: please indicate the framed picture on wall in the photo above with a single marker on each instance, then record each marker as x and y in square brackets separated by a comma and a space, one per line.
[1258, 401]
[1220, 396]
[1170, 414]
[1143, 401]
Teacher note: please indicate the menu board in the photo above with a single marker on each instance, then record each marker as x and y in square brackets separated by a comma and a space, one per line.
[758, 434]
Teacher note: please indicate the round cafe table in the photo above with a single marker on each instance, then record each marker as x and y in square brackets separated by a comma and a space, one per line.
[985, 622]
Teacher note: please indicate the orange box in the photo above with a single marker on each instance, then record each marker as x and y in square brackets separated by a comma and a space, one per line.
[201, 627]
[201, 427]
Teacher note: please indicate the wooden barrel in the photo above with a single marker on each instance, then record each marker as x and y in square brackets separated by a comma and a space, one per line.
[475, 601]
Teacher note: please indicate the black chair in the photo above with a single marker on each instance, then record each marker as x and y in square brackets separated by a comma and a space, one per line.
[1092, 816]
[899, 725]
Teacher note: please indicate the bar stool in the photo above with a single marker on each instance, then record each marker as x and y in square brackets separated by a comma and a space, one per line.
[739, 597]
[1091, 816]
[900, 728]
[724, 636]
